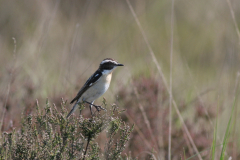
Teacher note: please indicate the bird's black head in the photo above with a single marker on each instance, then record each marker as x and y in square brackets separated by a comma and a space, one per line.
[109, 64]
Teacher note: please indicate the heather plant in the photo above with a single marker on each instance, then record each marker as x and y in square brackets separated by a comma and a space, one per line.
[148, 98]
[49, 135]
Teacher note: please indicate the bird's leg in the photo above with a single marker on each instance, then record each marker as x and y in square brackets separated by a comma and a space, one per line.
[91, 108]
[98, 108]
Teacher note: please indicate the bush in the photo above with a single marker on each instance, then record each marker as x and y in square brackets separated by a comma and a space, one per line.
[151, 94]
[49, 135]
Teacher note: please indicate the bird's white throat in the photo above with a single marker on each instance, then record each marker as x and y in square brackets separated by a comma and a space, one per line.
[107, 71]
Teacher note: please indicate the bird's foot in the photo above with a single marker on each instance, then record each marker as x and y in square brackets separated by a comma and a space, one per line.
[99, 108]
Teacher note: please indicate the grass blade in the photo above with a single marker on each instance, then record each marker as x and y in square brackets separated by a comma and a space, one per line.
[213, 148]
[225, 140]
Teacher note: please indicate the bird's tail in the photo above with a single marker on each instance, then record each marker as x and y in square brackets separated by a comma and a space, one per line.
[73, 109]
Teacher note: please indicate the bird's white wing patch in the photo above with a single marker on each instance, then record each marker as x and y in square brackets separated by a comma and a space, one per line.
[94, 78]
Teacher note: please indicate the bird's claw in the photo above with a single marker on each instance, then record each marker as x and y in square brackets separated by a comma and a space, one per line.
[99, 108]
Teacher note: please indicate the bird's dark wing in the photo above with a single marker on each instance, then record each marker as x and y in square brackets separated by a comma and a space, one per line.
[91, 81]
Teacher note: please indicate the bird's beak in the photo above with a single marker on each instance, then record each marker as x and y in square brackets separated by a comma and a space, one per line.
[120, 64]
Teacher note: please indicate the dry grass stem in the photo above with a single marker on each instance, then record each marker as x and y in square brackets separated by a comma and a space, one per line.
[9, 84]
[163, 78]
[199, 96]
[234, 19]
[170, 83]
[144, 116]
[139, 132]
[234, 135]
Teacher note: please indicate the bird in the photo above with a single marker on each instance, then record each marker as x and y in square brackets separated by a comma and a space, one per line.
[96, 85]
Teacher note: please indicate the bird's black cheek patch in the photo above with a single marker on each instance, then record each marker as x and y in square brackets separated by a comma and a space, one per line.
[107, 66]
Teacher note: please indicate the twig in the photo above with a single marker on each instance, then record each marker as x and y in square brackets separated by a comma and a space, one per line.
[89, 139]
[163, 78]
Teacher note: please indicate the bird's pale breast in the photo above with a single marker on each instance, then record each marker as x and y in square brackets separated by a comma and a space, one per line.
[98, 89]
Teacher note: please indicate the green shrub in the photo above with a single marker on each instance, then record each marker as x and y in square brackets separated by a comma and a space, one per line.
[49, 135]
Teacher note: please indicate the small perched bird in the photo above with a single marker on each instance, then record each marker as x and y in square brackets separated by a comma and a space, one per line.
[96, 85]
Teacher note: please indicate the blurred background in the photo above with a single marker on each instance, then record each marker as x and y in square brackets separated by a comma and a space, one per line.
[59, 44]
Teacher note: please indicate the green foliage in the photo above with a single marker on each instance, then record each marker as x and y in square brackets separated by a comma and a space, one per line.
[49, 135]
[113, 150]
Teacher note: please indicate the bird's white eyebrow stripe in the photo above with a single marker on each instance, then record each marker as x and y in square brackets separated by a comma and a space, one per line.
[105, 61]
